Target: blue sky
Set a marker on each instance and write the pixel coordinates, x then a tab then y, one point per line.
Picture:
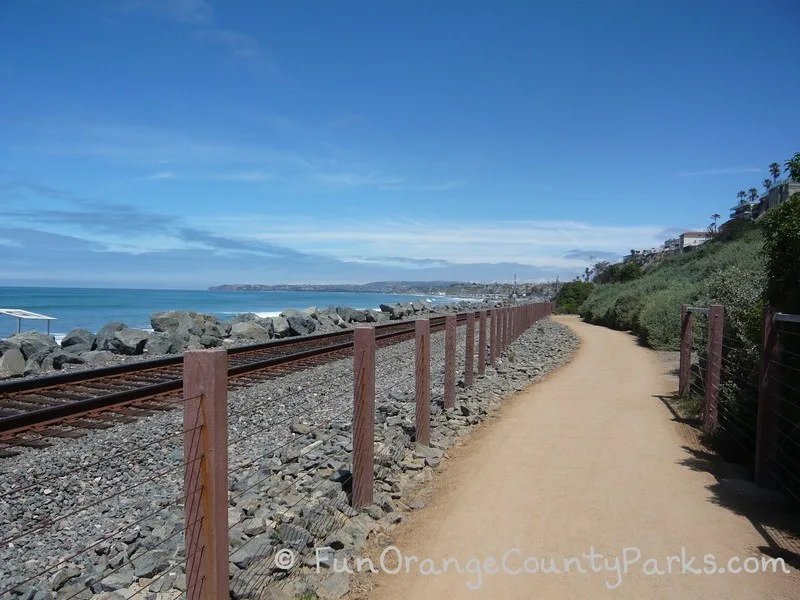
186	143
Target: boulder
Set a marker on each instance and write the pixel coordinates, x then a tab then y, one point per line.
160	342
300	324
39	356
104	338
78	340
280	327
32	367
61	358
243	318
170	320
7	345
128	341
345	312
358	316
31	342
250	330
12	363
190	329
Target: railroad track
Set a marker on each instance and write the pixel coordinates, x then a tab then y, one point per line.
71	404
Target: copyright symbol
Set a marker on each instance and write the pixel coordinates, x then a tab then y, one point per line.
285	559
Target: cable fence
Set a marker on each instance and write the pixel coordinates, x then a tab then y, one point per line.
749	393
224	497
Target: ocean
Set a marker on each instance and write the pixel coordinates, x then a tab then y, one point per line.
93	308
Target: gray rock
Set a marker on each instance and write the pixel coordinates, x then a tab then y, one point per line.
32	367
345	313
117	580
334	586
12	363
127	341
96	358
295	536
172	320
63	575
78	337
299	322
61	358
256	548
150	564
281	328
160	342
7	345
32	342
104	338
250	330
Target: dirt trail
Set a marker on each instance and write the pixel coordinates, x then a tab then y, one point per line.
587	458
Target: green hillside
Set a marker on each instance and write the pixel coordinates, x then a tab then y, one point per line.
728	270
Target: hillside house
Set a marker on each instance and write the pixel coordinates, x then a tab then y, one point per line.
691	239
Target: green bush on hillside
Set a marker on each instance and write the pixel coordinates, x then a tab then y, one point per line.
572	295
650	305
782	249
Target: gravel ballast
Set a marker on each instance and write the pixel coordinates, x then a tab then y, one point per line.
290	445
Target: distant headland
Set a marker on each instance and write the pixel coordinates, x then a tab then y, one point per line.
427	288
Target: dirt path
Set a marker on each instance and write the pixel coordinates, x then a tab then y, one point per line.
587	458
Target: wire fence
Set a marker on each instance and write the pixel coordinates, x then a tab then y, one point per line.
227	493
756	395
133	515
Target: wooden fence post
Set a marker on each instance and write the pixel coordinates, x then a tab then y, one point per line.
493	322
768	401
482	343
205	455
449	361
685	369
501	347
363	415
422	333
469	351
714	366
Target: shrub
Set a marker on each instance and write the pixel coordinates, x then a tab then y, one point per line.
782	249
650	305
572	295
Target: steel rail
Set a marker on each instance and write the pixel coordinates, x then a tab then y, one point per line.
52	414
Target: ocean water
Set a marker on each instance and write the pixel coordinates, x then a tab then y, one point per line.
93	308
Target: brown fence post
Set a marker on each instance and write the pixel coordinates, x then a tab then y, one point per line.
422	333
768	401
715	328
482	343
501	346
449	361
493	322
205	454
469	351
363	415
685	369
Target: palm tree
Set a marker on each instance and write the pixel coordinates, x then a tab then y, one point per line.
793	166
753	194
767	184
741	195
775	171
716	217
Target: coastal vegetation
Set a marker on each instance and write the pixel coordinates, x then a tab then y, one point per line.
747	266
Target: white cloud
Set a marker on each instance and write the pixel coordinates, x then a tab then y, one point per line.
722	171
161	175
242	47
535	243
231	176
346	179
